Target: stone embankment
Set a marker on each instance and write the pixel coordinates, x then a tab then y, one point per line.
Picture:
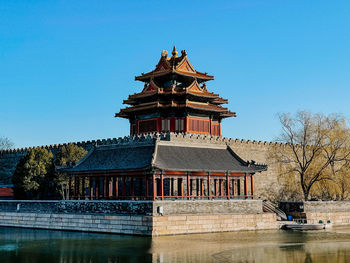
138	217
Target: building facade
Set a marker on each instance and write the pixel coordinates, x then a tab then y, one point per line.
151	163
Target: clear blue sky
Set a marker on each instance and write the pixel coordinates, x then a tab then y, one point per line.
66	66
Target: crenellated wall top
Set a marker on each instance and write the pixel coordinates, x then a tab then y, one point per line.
150	138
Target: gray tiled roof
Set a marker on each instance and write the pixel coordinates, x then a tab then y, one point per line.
116	157
183	158
164	157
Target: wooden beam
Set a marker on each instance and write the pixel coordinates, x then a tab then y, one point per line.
174	173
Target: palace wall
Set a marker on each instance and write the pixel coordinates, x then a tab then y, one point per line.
266	183
138	217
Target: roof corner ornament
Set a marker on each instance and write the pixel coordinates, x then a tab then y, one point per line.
164	53
174	53
183	53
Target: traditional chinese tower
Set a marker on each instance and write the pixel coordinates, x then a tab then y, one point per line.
175	99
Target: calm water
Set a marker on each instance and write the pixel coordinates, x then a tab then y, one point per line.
25	245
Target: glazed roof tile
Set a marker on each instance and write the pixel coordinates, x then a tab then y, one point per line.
164	157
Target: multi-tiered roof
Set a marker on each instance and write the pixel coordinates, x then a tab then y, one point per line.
174	83
175	89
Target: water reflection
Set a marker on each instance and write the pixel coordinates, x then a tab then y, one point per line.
25	245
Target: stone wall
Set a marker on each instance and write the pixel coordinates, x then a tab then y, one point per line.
134	207
190	224
78	206
119	224
336	218
326	206
144	218
208	207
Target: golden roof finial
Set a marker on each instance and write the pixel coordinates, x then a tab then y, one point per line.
174	52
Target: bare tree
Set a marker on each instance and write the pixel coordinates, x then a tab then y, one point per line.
5	143
314	143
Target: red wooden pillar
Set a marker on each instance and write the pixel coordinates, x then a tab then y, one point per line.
252	186
90	188
209	191
161	186
116	181
154	186
188	186
228	186
110	187
245	186
146	187
69	188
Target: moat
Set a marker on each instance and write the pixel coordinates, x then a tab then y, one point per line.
27	245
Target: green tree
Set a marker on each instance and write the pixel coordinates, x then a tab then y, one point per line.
34	177
69	153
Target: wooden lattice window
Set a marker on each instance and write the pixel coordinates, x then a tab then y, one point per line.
146	126
199	125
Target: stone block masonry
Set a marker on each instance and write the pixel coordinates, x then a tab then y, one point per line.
190	224
119	224
337	212
138	217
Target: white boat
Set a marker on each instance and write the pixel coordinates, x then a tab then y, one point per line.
305	226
